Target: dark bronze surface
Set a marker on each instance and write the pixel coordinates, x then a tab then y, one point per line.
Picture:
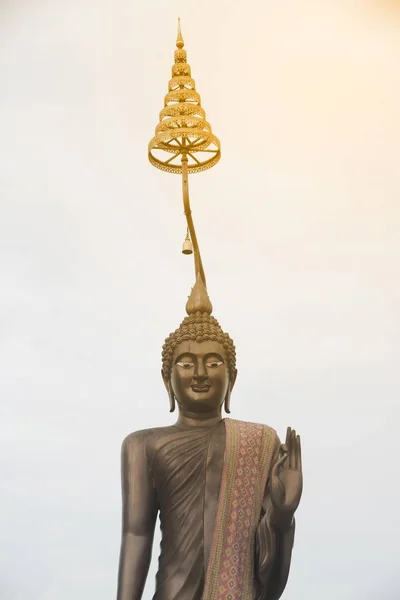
175	471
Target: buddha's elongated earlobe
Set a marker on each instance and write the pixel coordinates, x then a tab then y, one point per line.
227	402
171	399
170	392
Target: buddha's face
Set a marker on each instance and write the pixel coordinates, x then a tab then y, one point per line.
200	378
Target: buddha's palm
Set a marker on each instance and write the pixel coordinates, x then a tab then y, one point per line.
287	477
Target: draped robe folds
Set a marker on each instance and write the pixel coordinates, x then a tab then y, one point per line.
182	472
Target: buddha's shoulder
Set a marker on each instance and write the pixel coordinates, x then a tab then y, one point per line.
145	436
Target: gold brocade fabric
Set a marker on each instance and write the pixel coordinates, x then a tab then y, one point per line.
248	452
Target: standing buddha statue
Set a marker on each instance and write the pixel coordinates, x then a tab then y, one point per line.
225	490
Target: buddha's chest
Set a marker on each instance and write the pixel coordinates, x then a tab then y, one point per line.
187	467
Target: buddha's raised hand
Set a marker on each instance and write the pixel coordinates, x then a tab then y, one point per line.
286	481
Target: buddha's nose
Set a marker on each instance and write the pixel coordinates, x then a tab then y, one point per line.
200	373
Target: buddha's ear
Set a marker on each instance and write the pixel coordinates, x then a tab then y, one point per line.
234	375
171	396
227	403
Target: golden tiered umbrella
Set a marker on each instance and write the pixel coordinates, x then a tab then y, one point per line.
183	141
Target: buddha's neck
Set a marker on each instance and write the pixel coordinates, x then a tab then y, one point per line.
189	419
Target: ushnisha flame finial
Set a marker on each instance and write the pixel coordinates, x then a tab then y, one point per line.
186	137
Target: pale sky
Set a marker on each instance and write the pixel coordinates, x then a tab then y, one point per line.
299	231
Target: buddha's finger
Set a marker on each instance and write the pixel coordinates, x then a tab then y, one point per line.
280	461
299	465
290	456
290	446
287	445
293	449
294	445
285	450
288	434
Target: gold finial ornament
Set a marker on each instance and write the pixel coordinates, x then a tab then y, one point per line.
179	40
186	138
183	130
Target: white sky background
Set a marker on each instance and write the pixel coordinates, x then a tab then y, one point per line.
299	231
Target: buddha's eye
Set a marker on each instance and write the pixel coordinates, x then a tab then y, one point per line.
185	365
214	364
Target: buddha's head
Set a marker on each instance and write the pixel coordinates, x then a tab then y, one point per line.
199	366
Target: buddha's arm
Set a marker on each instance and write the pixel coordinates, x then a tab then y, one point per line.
139	513
273	549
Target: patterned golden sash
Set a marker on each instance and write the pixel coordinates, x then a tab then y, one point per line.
248	452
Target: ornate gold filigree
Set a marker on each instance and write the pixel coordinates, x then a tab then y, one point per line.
183	131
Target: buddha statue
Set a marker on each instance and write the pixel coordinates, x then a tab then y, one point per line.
225	491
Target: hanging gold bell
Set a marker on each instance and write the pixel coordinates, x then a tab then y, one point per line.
187	247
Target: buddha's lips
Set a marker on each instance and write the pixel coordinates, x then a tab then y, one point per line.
200	388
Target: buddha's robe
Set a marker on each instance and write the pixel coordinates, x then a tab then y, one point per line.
177	472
